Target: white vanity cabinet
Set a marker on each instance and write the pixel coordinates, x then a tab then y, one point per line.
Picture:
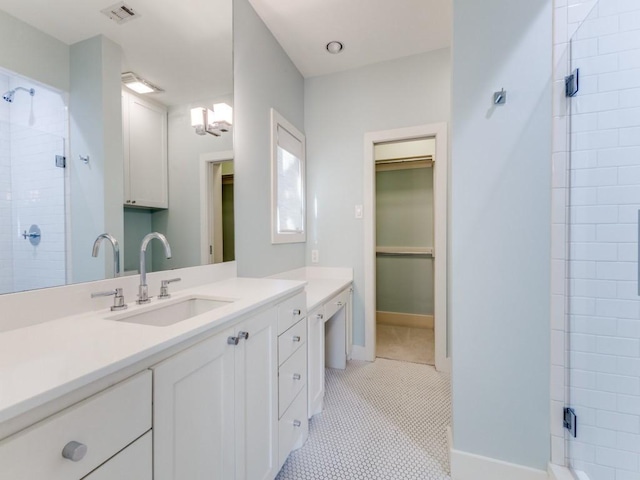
193	401
132	463
315	360
293	426
88	434
144	128
215	406
329	343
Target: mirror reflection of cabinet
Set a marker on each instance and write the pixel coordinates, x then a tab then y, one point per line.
144	127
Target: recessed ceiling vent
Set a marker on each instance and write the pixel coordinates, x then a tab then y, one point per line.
120	13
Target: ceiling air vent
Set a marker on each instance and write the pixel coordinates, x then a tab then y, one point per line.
120	13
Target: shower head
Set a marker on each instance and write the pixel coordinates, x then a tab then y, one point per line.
8	96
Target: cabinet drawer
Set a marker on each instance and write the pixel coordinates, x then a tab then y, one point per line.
293	427
335	304
291	340
292	378
291	311
132	463
105	423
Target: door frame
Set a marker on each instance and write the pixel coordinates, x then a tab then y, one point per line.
208	216
440	188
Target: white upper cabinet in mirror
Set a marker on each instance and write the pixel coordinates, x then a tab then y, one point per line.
63	134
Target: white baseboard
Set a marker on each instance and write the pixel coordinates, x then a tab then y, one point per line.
467	466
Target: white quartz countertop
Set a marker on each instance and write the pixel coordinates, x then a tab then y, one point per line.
43	362
322	282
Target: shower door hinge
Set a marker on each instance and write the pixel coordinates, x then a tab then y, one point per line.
61	161
572	83
571	421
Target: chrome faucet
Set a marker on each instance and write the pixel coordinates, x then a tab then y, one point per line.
143	289
116	250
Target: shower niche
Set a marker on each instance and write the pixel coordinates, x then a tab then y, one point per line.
33	131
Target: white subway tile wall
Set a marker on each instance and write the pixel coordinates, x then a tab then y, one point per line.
601	327
32	133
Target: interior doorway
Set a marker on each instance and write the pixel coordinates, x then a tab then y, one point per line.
217	240
404	250
437	132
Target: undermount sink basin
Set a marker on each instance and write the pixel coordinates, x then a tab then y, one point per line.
167	314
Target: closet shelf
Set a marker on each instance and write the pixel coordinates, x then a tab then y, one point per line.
405	251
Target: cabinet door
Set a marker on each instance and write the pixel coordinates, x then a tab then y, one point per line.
147	158
256	398
315	361
193	405
132	463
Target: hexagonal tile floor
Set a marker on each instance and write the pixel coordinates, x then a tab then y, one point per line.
383	420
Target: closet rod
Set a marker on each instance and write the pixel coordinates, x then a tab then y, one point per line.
405	251
404	254
421	158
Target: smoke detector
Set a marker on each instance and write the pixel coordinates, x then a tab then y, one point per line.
120	13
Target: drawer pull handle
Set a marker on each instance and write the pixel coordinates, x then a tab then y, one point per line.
244	335
296	376
296	338
297	423
340	304
233	340
74	451
297	311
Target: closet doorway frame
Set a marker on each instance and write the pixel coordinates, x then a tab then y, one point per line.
440	193
210	216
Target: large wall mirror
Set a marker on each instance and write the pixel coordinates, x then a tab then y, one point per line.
83	153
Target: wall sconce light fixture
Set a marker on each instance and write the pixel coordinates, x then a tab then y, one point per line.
214	122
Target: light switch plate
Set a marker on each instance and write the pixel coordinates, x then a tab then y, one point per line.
358	211
315	256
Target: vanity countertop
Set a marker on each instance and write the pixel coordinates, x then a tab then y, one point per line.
43	362
322	282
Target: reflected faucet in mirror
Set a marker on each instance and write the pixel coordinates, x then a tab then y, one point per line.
116	250
143	289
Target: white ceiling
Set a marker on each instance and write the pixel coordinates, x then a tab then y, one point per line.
371	30
184	47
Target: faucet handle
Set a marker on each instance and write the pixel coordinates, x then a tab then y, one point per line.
164	288
118	299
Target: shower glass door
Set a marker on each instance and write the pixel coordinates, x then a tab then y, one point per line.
32	209
603	338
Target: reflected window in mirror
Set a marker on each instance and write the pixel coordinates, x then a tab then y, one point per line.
288	181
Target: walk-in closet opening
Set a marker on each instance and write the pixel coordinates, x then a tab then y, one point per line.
404	250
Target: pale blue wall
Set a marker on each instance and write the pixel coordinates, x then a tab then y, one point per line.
32	53
264	77
339	109
500	229
95	129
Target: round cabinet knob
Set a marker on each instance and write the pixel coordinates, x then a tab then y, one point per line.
320	316
296	338
133	201
296	376
233	340
338	304
243	335
74	451
128	201
297	311
297	423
